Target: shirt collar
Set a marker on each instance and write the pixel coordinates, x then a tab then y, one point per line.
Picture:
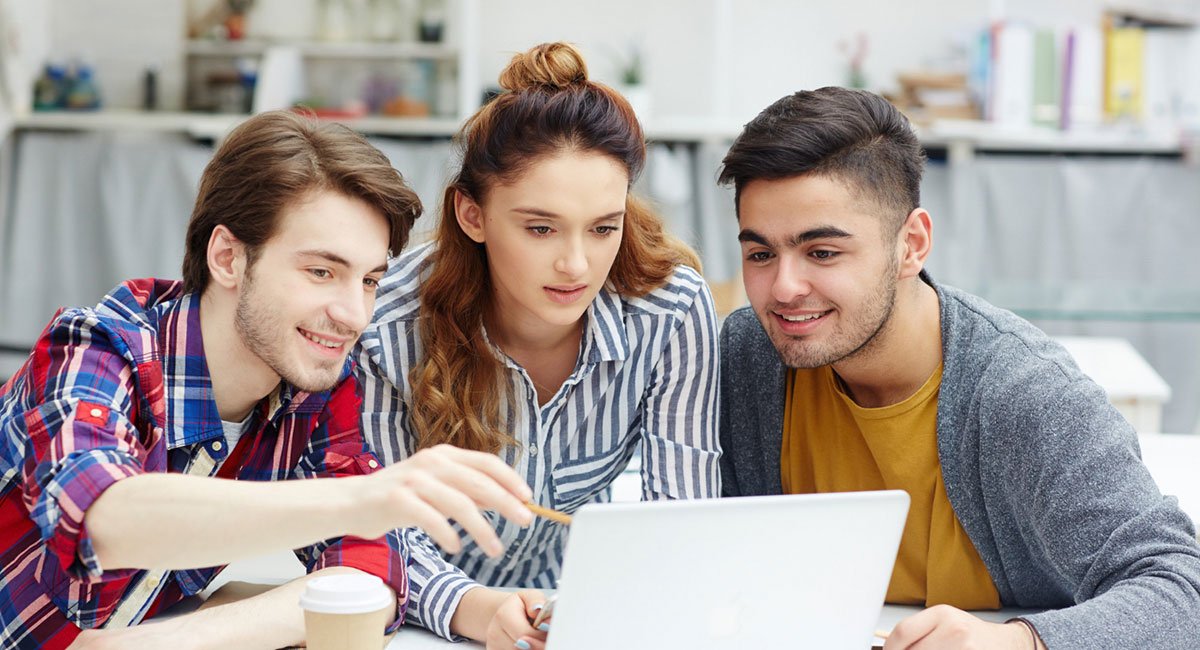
605	334
191	410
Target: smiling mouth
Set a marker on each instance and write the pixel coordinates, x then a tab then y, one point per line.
801	318
325	343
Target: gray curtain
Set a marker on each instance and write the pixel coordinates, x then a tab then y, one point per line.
87	210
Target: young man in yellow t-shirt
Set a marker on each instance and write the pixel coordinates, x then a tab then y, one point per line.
853	370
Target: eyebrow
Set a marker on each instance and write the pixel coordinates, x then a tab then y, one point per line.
820	232
546	214
334	258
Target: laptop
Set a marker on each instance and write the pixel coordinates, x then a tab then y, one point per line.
801	571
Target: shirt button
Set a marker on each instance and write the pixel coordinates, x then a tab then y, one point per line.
372	463
152	581
533	450
96	413
217	446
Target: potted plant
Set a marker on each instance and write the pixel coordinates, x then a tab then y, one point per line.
632	83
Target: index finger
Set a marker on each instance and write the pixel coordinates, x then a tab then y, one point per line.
495	468
483	491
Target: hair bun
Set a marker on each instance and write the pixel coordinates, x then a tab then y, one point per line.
549	65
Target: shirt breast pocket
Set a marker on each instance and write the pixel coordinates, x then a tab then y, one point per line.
581	481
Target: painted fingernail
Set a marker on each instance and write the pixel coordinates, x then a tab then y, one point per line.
545	627
538	607
522	644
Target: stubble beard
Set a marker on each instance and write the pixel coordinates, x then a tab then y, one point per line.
262	334
857	339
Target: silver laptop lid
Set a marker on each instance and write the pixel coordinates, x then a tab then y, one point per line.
805	570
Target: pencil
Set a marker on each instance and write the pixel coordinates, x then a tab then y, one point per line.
552	515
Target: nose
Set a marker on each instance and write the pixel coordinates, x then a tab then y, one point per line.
352	309
572	259
790	281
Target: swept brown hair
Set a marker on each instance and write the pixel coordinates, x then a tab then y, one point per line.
274	160
549	106
854	136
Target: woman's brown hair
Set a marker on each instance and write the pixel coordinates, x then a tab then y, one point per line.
276	159
549	106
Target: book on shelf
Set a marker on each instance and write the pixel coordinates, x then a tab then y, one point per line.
1082	78
1012	96
1047	85
1124	67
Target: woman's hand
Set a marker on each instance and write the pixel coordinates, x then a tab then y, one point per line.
512	625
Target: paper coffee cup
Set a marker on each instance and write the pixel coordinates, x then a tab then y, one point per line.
346	612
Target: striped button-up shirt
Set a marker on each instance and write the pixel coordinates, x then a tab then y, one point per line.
120	390
646	378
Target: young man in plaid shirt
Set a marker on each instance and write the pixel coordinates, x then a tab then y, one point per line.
146	441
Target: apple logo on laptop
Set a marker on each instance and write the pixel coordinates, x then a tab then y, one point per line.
725	620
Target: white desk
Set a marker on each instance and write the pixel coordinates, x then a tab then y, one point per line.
1173	460
415	638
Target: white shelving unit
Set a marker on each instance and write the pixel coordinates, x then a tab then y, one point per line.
445	73
326	49
214	126
962	138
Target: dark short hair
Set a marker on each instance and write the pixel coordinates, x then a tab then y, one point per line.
854	136
275	159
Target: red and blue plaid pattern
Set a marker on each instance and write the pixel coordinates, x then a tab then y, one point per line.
123	389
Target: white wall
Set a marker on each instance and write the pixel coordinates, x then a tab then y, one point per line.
24	40
675	37
781	46
703	57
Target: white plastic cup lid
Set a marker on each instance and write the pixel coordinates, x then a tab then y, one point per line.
346	594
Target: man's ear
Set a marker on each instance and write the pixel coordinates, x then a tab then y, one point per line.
469	216
915	242
226	258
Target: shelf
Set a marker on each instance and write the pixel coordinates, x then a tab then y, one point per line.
972	136
325	50
198	125
215	126
968	136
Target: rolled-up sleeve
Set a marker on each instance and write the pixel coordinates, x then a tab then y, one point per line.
435	586
336	449
80	439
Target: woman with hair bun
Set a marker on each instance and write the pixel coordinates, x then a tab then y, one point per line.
551	321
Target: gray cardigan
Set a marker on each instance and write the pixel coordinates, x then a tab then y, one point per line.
1044	475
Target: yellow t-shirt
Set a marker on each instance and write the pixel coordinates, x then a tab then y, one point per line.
831	444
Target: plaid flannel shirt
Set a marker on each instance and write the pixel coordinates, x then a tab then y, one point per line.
123	389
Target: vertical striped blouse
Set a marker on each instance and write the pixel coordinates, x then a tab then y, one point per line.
646	378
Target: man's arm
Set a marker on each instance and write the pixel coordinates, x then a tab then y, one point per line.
1129	554
269	620
729	479
171	521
